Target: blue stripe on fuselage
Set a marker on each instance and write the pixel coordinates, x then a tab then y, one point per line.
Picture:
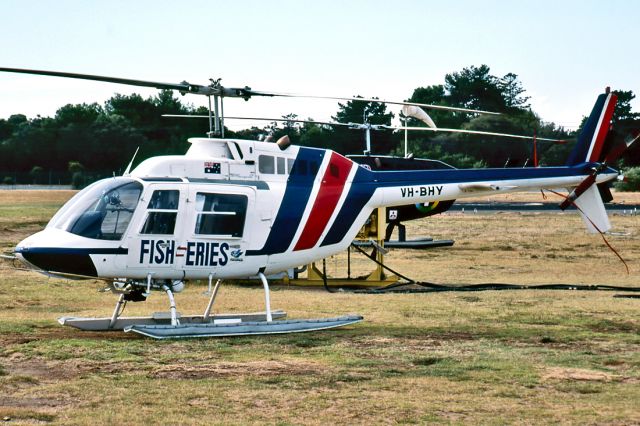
366	182
444	176
296	196
359	195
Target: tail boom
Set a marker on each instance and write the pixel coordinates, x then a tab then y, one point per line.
399	188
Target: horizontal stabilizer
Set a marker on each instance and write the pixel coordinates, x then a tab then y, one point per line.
592	210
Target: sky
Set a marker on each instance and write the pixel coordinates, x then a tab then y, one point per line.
564	52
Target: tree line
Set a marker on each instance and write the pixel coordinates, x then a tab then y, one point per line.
85	142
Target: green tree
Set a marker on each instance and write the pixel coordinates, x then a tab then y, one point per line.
139	111
475	88
435	95
622	112
315	135
33	141
81	114
36	173
513	93
626	124
351	141
290	127
116	140
632	180
77	174
17	120
75	166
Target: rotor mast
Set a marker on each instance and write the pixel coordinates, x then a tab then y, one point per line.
216	120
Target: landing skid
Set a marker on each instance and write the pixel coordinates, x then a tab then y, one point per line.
166	325
162	318
241	328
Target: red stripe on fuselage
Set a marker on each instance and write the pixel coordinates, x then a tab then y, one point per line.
335	177
604	129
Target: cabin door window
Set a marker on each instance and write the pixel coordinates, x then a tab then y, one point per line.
220	215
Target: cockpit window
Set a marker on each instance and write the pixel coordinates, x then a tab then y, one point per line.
101	211
163	209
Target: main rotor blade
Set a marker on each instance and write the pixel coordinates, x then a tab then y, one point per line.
477	132
216	89
378	127
183	87
259	119
347	98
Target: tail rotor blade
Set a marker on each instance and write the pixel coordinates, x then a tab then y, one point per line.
620	146
579	190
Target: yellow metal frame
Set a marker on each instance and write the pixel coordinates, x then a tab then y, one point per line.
374	230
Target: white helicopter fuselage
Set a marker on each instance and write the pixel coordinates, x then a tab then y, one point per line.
234	208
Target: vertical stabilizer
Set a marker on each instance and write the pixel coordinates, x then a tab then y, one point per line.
589	147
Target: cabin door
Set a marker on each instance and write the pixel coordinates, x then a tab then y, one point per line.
218	228
154	240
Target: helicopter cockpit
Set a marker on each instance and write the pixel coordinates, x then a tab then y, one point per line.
101	211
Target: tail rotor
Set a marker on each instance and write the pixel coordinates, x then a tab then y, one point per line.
614	150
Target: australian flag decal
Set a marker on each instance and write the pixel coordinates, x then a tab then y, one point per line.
213	168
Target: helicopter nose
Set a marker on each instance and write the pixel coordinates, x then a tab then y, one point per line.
55	251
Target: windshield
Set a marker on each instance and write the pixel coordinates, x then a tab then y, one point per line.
101	211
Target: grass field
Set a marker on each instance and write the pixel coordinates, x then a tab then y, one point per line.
494	357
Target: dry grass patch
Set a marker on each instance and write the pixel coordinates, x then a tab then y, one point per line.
578	374
542	357
236	369
25	197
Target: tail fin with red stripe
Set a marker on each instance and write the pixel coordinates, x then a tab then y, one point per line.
594	147
591	141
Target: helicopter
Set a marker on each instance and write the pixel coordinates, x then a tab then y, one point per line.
232	209
394	217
